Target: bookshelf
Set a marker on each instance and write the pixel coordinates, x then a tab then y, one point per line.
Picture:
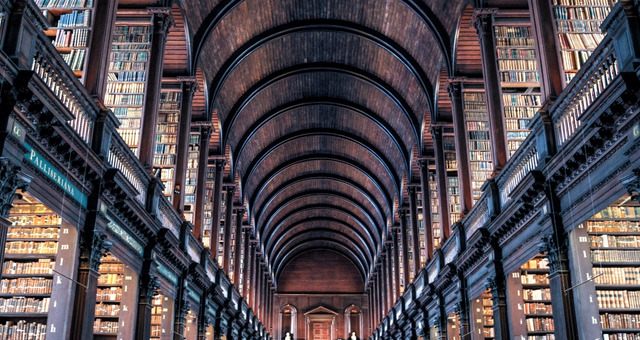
26	288
421	231
126	79
436	229
453	183
577	25
69	28
191	177
614	240
164	158
221	228
482	313
529	298
478	139
109	297
519	80
453	327
161	318
191	325
208	206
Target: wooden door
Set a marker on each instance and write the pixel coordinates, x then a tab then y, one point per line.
320	330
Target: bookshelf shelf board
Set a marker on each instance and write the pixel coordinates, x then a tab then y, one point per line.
535	285
616	248
28	256
539	332
35	295
617	287
32	239
546	302
105	334
538	316
614	233
108	285
616	264
535	271
100	316
23	315
35	225
63	10
11	276
619	310
610	219
621	330
108	302
519	84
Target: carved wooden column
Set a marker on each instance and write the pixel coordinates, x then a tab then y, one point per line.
415	231
389	264
463	309
162	20
547	53
252	273
93	246
380	307
215	211
181	307
426	207
441	181
385	282
496	283
203	165
462	152
483	21
228	227
238	247
556	247
404	229
149	285
182	147
95	74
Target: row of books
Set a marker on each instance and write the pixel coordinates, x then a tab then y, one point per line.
75	59
618	299
612	227
519	76
125	88
517	124
578	26
102	326
520	111
32	232
617	276
30	247
35	220
533	279
128	76
517	135
517	54
123	112
131	137
166	142
512	32
116	268
570	41
131	34
517	64
26	285
71	38
112	294
159	160
621	336
620	321
39	267
581	13
584	2
64	3
540	324
613	256
537	308
168	128
572	61
526	100
124	99
619	212
128	60
107	309
24	305
110	279
75	19
615	241
23	330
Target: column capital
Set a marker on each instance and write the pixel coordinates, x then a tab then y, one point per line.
189	85
483	20
162	19
100	246
454	88
632	184
10	182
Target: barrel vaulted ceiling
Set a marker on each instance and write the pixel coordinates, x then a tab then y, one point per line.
323	105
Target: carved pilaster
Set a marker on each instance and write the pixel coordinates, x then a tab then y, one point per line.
99	248
632	184
10	182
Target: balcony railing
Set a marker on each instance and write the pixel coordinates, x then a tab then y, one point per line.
123	159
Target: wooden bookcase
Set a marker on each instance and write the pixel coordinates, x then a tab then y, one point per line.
38	258
207	223
577	26
70	29
421	231
519	79
529	300
453	183
191	177
116	299
127	76
164	158
161	318
482	317
436	228
478	138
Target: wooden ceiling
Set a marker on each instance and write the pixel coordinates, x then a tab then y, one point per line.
322	108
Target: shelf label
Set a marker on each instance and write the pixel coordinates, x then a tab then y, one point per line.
47	169
125	236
